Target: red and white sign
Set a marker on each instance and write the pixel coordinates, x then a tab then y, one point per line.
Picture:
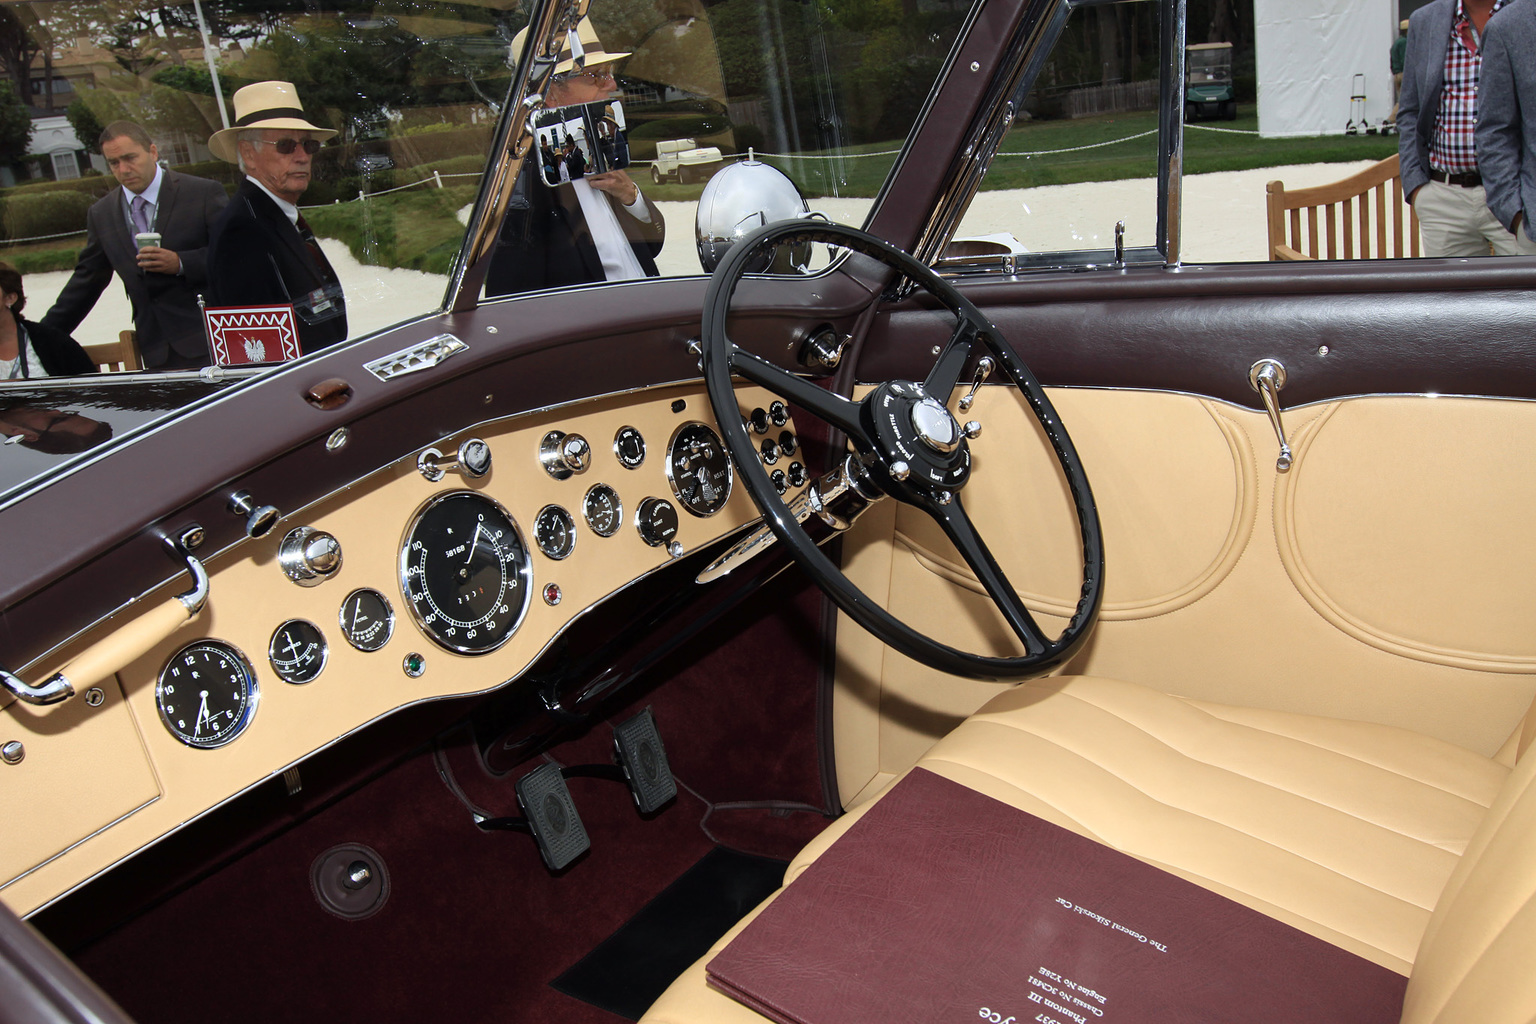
239	335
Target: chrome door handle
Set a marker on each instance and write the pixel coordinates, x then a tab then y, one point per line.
1267	377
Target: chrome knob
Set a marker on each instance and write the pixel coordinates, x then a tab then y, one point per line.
900	471
13	752
564	454
972	429
308	556
259	519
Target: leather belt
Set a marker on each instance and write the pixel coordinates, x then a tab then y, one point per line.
1469	180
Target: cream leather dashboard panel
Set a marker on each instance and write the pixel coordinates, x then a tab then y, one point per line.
1387	577
250	596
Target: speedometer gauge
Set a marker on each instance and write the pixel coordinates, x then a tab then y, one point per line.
465	572
699	469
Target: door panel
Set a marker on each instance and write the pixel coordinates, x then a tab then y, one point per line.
1386	577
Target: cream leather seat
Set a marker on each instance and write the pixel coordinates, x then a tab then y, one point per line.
1405	850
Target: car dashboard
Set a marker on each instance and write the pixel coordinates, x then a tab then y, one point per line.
448	571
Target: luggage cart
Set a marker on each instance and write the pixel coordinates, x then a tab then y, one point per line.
1357	122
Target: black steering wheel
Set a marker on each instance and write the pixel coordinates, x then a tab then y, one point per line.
907	445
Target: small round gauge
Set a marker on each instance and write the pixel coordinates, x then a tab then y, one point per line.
207	694
297	651
466	573
629	446
603	510
656	520
367	620
699	469
554	531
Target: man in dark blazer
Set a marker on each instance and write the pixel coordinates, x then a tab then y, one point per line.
1506	120
1436	118
263	252
602	228
162	281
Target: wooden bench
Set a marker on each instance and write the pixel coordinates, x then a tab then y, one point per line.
1365	207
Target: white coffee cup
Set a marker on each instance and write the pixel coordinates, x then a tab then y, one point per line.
147	238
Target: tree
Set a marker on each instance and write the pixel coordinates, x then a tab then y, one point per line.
15	126
87	128
18	48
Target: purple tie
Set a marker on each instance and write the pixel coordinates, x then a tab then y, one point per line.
140	208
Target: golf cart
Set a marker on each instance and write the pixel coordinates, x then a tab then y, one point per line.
1208	82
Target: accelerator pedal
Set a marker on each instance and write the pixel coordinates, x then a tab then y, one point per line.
552	817
637	745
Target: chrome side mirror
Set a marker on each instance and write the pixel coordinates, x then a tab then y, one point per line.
741	198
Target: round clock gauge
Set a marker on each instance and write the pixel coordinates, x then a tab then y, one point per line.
367	620
297	651
206	694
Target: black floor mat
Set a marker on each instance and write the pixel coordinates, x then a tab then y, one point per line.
627	971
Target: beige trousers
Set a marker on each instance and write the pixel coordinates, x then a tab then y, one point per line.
1455	221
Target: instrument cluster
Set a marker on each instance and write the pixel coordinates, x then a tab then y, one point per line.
560	519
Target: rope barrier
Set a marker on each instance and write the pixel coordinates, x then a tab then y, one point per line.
41	238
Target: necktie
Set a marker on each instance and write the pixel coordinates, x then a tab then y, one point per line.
322	264
140	209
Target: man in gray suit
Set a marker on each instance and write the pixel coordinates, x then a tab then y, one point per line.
1506	120
162	280
1436	118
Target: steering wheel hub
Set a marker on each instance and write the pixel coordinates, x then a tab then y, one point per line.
935	426
910	426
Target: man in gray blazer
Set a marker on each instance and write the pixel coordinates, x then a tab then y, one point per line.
1436	118
162	280
1506	120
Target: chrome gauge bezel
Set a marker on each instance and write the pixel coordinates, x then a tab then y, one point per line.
434	630
288	675
250	688
568	520
618	452
618	509
730	470
346	630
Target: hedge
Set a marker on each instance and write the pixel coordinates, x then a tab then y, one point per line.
46	213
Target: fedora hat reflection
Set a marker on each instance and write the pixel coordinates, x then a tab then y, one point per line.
263	105
592	52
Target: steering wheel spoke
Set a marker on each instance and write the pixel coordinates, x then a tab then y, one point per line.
834	409
942	380
962	533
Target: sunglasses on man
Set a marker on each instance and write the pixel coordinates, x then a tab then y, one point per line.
287	146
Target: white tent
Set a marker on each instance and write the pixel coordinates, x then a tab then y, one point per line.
1308	53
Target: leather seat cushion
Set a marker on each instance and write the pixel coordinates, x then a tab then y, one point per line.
1347	830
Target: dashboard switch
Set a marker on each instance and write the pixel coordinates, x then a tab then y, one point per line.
308	556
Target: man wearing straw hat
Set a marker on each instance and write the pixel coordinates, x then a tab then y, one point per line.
601	228
263	252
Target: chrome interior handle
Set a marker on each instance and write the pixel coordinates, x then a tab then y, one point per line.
1267	377
123	646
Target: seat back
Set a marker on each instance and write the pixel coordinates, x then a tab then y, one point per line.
122	354
1474	963
1350	215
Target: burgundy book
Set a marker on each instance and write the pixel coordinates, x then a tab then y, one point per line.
944	905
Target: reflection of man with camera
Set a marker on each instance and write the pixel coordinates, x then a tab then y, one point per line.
600	228
153	231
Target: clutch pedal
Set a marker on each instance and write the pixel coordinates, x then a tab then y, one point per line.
551	816
637	745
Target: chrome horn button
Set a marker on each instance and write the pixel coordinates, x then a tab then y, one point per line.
935	426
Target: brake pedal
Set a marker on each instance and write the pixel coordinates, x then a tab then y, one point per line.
644	760
552	816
